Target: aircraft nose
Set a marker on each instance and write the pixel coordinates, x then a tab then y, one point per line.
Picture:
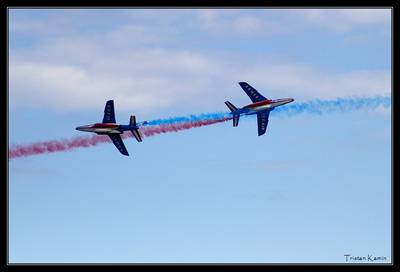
80	128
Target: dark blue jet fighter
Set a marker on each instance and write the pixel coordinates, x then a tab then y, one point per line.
113	130
260	106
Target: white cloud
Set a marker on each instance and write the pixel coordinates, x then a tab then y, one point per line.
66	88
143	80
133	64
346	19
307	82
152	79
234	23
278	21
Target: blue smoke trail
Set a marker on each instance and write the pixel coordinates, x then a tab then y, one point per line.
317	107
320	107
189	118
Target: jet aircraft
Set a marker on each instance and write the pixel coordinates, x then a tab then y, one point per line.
109	127
260	106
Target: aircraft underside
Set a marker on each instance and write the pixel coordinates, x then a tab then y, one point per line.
108	132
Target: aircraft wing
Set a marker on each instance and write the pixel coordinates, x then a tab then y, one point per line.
254	95
109	114
119	143
262	121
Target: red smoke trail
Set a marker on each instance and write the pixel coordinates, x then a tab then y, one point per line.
55	146
154	130
17	151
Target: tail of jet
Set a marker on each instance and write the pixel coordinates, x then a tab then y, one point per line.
233	109
135	130
230	106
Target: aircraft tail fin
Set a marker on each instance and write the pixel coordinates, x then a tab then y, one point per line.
132	121
235	116
135	130
230	106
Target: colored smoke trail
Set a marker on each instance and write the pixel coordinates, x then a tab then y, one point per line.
320	107
55	146
317	107
190	118
17	151
175	124
151	131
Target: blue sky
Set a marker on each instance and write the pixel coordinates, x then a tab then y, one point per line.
314	188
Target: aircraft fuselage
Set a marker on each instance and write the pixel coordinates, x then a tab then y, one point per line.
264	105
102	128
108	128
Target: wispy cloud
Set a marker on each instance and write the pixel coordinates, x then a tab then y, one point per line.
150	79
142	64
346	19
278	21
234	23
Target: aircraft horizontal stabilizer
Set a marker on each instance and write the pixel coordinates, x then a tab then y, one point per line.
135	131
137	135
236	120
